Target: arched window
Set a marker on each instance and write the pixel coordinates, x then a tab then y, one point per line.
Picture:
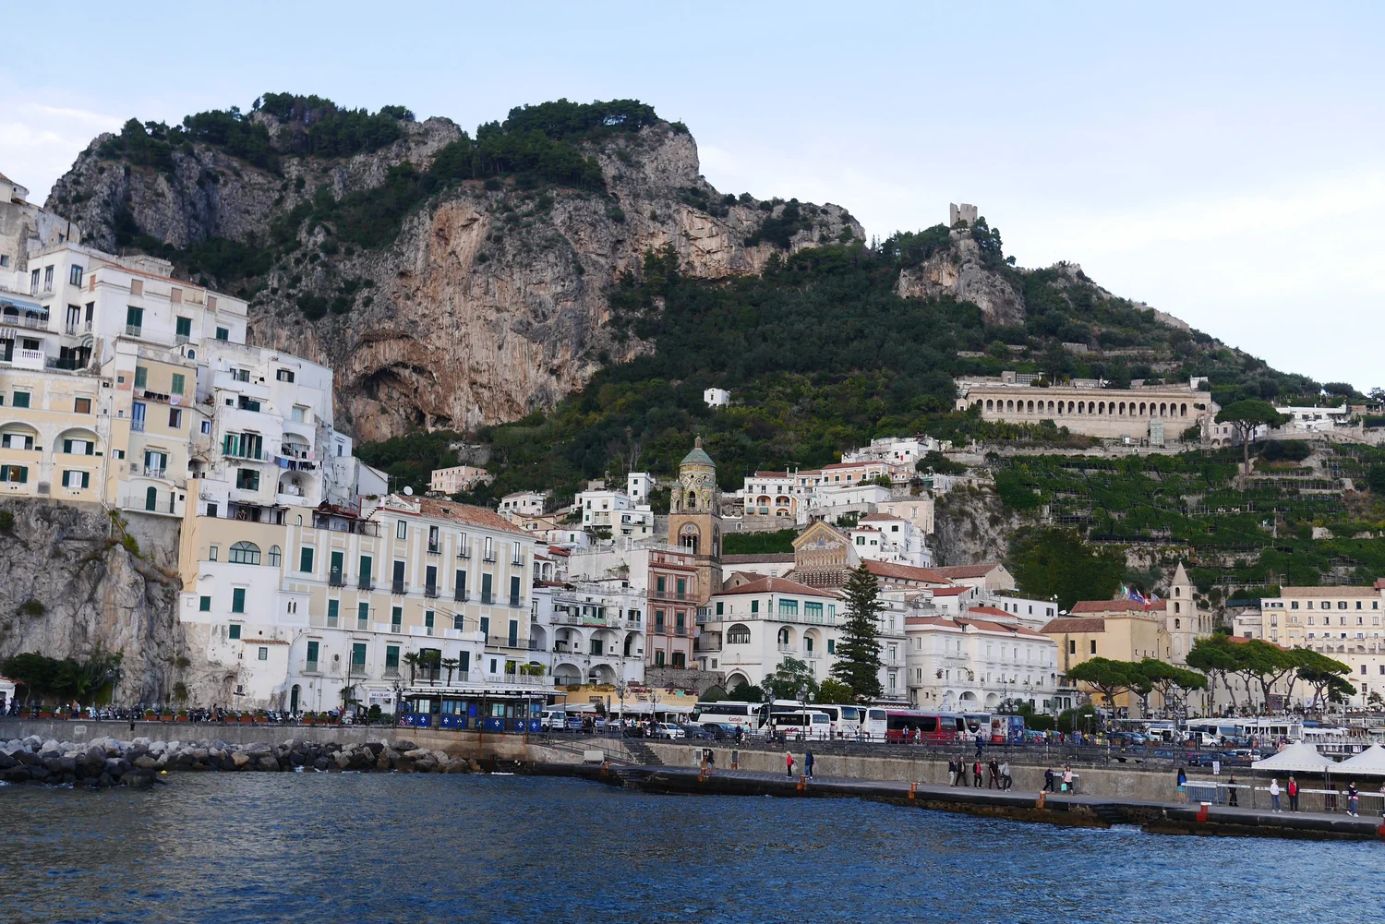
808	644
990	405
1183	410
275	556
784	636
245	553
738	635
1030	407
689	538
1081	407
692	500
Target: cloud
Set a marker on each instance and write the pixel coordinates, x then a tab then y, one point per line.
39	142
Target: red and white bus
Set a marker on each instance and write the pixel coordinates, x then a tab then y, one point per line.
910	726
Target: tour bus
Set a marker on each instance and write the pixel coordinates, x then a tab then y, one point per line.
873	723
907	725
805	723
749	716
846	720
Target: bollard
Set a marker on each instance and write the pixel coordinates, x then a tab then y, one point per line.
1381	830
1043	796
1202	812
802	783
735	760
913	787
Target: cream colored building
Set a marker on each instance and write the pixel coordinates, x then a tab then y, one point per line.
1157	414
1343	623
1119	630
979	660
457	478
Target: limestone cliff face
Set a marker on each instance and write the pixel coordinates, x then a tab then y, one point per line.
491	301
88	590
970	524
959	272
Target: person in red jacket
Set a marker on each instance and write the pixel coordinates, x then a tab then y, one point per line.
1293	794
788	763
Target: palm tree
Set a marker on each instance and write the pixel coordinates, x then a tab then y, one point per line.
429	660
411	659
451	664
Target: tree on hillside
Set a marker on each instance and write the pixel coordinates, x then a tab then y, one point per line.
1057	563
1107	677
791	679
1322	673
858	650
1246	416
1215	658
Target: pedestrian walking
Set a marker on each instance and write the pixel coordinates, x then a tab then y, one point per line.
994	781
1067	778
1182	785
1293	793
952	771
788	763
1231	791
1353	800
1049	779
808	764
1274	795
1005	781
979	743
977	775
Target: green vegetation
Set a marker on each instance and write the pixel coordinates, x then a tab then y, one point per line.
63	678
777	542
32	607
858	650
792	680
1056	563
410	460
1246	416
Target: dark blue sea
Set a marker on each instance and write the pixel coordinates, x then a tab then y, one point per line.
358	847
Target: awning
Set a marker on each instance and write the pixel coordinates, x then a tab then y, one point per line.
1370	762
1298	757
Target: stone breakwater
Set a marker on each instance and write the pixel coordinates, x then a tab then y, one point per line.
106	762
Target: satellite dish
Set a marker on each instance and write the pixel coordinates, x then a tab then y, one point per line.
408	491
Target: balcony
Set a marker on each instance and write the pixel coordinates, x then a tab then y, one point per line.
397	586
487	599
310	667
516	601
336	579
430	590
134	330
136	425
365	583
488	557
460	595
504	641
434	548
30	319
151	471
464	552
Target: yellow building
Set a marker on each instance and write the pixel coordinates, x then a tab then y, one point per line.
1119	630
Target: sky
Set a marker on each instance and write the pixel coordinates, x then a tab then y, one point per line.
1222	162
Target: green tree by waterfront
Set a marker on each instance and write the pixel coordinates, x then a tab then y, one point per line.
792	678
1325	675
833	690
858	650
1107	677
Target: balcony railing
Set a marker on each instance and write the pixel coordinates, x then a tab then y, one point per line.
365	583
397	586
136	425
433	548
487	599
460	595
310	667
489	556
336	579
151	471
430	590
515	600
504	641
134	330
464	552
35	322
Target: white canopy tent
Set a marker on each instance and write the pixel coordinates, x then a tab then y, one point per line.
1370	762
1298	757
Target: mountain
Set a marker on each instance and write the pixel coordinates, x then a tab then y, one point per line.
451	280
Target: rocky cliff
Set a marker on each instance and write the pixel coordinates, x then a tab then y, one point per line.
490	299
78	582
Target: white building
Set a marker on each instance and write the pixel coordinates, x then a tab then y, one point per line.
591	631
831	502
769	498
1314	419
716	397
979	660
600	506
883	537
523	504
638	486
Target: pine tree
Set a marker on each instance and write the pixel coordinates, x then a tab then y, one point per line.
858	651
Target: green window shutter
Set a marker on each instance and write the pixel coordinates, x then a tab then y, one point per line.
305	559
362	611
831	646
178	383
391	657
358	655
754	606
204	604
333	608
134	316
428	620
67	447
238	600
86	479
141	377
312	652
21	399
223	334
485	625
233	631
183	327
396	616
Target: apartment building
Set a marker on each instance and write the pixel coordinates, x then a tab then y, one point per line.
888	538
979	660
304	609
1343	623
457	478
591	631
768	498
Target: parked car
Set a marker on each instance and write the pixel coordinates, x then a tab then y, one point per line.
667	730
553	720
700	732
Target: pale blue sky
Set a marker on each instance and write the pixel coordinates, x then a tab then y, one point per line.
1220	161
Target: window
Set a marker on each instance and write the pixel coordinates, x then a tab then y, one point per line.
831	646
238	600
459	622
183	328
284	375
305	559
74	275
333	611
514	591
179	383
312	655
1093	646
175	418
244	553
1072	646
212	552
358	657
401	530
233	630
223	334
362	615
485	625
485	588
754	606
247	404
660	584
396	618
428	621
247	479
392	658
719	608
788	607
141	377
21	399
738	635
682	588
812	610
659	620
204	604
81	406
16	441
76	480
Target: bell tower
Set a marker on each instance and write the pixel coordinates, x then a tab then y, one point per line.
694	522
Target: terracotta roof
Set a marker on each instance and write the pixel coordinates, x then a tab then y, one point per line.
1380	583
1068	624
1007	628
989	611
950	591
956	572
1340	591
837	465
979	624
770	475
875	517
885	569
1116	606
776	585
467	514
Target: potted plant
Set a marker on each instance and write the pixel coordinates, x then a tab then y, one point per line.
182	716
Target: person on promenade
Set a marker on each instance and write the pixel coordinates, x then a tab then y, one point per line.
979	744
1005	781
788	763
1293	793
1353	800
1049	779
1182	784
808	764
1274	795
977	774
952	771
1067	778
994	781
1231	791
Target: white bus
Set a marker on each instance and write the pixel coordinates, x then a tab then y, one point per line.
873	723
808	723
749	716
846	720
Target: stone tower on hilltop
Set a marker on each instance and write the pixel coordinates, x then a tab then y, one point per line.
694	522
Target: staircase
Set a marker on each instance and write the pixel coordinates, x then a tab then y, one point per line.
642	753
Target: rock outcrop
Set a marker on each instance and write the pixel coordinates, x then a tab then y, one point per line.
490	302
959	272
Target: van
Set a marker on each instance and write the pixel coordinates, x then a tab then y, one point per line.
552	719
